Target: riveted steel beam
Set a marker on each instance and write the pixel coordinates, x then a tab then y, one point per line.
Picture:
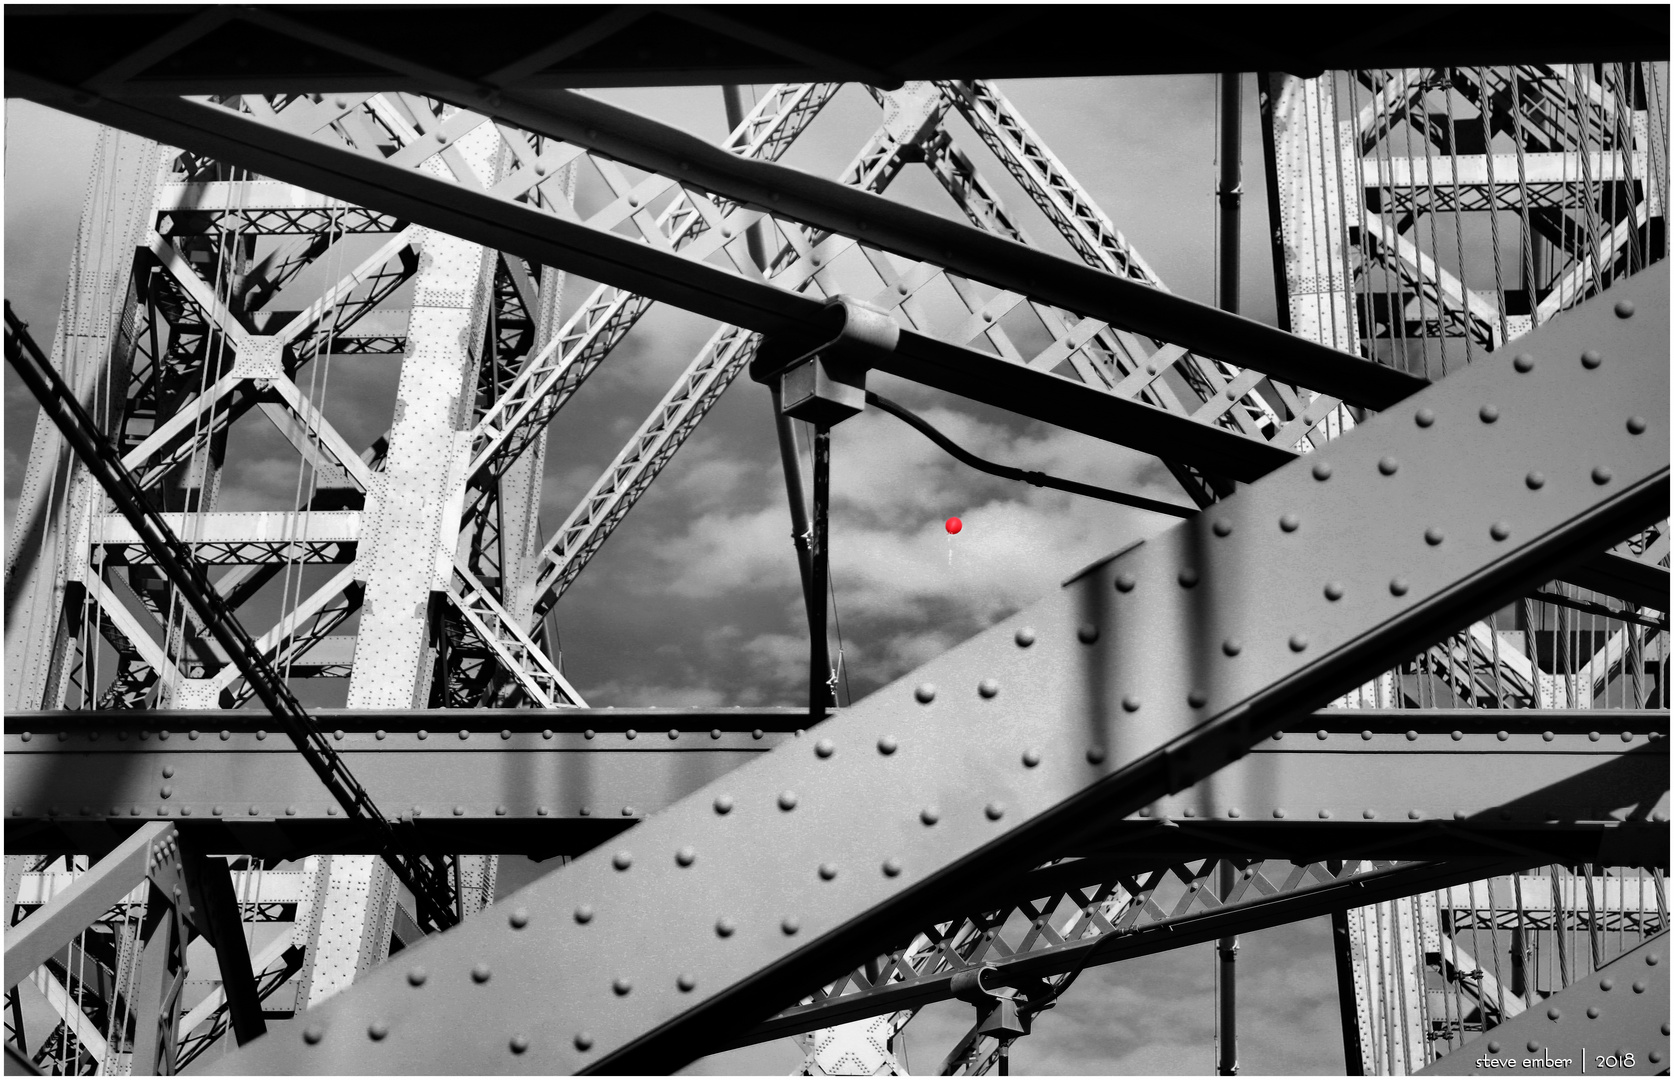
1032	736
534	781
1615	1021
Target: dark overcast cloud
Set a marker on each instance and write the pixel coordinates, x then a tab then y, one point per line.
695	599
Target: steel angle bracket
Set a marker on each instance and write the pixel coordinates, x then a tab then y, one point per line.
1614	1021
1134	680
827	384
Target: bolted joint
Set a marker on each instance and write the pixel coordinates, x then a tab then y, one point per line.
827	384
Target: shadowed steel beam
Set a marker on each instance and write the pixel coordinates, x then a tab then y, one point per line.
489	789
1618	1013
1057	721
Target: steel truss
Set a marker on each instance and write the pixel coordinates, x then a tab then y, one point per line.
1218	408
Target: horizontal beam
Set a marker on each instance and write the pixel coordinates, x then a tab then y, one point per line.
189	48
508	783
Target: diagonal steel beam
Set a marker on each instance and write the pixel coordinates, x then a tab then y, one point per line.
1057	720
1618	1014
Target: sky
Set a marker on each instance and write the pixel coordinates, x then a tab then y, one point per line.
695	599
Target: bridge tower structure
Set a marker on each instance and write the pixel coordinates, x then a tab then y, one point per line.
1464	767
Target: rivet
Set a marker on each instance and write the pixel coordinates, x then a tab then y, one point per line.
1187	578
458	811
1322	734
790	924
621	986
1278	736
1499	530
988	688
1433	536
1031	758
1636	425
1324	814
1591	359
583	1041
1424	417
724	926
163	735
673	733
1125	582
290	811
1523	363
1412	736
254	812
1278	812
1593	736
1289	522
1388	466
1457	735
995	811
828	871
1222	527
1232	646
1534	1047
1087	633
1095	755
1653	959
631	733
1601	475
1233	811
480	973
1624	309
686	983
1414	815
757	734
622	860
887	745
1607	983
1398	586
217	811
1368	814
1130	703
541	811
312	1034
1493	1046
1489	413
1197	699
929	815
714	733
1366	736
1024	637
822	749
380	734
499	811
416	976
723	804
1322	470
377	1030
1627	736
787	800
1639	986
518	1044
1298	642
926	693
1333	590
892	867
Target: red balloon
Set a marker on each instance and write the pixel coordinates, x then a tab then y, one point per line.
954	525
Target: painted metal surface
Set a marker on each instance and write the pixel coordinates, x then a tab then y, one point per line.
1390	766
1455	532
1615	1022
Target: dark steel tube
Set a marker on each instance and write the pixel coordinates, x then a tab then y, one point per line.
819	662
1230	194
